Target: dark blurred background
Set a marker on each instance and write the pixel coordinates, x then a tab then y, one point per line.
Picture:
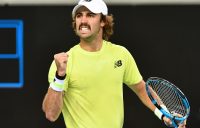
164	40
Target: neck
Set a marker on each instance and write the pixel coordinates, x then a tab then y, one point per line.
91	46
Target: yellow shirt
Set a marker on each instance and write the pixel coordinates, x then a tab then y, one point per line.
94	86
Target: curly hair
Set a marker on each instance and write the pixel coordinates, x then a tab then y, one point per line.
107	29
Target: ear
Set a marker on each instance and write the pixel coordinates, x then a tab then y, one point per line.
102	23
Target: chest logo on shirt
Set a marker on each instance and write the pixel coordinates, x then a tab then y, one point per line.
118	63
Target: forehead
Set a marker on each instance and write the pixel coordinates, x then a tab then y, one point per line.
82	9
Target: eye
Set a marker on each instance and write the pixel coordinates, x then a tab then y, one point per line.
91	14
78	15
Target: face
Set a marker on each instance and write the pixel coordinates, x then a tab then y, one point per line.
88	24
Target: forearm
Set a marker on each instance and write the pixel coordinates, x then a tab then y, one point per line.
53	101
140	91
52	104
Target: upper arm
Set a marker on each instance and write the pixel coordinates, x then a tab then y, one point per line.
131	73
140	91
139	87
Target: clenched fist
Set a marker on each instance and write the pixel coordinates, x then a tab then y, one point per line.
61	62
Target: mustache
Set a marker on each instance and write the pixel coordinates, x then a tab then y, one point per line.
85	25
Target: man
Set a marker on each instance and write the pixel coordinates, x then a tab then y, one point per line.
86	83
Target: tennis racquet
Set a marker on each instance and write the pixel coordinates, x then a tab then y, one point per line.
169	100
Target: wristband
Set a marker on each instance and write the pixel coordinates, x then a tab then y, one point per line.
60	77
158	113
58	83
57	87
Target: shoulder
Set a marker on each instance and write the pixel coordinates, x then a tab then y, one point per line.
115	47
72	49
118	50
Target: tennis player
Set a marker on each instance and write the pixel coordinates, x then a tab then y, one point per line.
86	83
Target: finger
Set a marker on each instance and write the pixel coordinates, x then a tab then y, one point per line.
61	56
183	125
167	121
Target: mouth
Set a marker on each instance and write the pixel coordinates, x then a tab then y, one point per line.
84	28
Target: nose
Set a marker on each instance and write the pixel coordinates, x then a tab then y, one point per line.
83	19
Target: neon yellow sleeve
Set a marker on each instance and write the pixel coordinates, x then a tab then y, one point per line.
132	75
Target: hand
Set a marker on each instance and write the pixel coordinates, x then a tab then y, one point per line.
61	63
182	125
168	122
